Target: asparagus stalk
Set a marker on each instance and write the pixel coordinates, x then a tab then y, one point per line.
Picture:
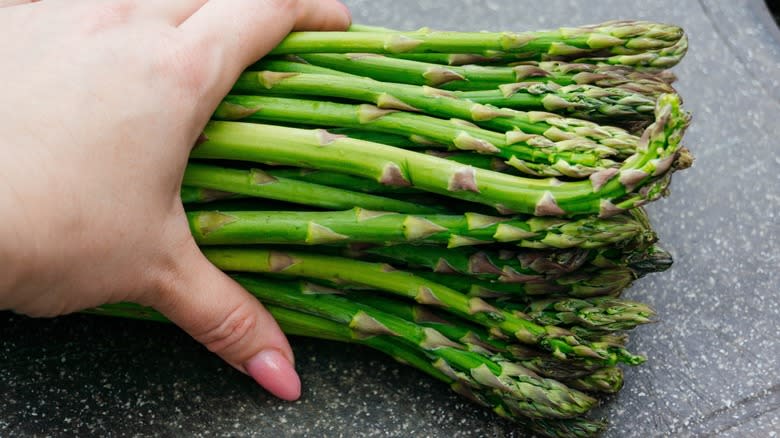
535	154
474	159
339	180
401	68
294	64
476	338
535	397
520	266
396	140
381	276
360	225
581	101
585	283
461	59
196	195
640	178
259	183
587	315
606	41
583	375
302	324
535	123
599	282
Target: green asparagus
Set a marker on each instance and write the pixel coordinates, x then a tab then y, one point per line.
611	42
640	178
534	154
475	77
303	324
580	101
382	276
258	183
435	102
367	226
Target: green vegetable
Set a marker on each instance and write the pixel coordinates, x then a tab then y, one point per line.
261	184
381	276
368	226
617	42
640	179
534	154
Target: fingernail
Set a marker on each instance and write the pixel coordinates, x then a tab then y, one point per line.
274	372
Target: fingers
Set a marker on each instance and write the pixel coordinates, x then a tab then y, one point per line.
245	30
230	322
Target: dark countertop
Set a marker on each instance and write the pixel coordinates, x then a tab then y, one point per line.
713	368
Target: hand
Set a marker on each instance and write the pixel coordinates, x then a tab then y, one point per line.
101	103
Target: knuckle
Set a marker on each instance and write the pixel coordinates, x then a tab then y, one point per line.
284	5
189	66
229	334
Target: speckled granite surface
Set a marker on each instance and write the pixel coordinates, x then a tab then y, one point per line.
713	368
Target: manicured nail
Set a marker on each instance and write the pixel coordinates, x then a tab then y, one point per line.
274	372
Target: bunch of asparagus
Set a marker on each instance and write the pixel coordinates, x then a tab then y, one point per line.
468	203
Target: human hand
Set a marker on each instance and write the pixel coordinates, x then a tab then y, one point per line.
102	102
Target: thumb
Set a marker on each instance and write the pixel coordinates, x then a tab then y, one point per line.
217	312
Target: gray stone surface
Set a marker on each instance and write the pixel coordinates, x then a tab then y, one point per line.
713	368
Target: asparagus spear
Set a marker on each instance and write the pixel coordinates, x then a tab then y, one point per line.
381	276
593	314
258	183
585	283
360	225
639	179
521	266
339	180
535	154
302	324
535	397
581	101
475	77
437	102
579	284
476	338
604	41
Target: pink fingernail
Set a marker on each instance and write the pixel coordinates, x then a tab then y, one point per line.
275	373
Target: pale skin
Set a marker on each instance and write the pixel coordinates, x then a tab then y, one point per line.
102	101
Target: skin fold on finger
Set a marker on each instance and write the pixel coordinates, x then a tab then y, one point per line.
230	322
173	12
